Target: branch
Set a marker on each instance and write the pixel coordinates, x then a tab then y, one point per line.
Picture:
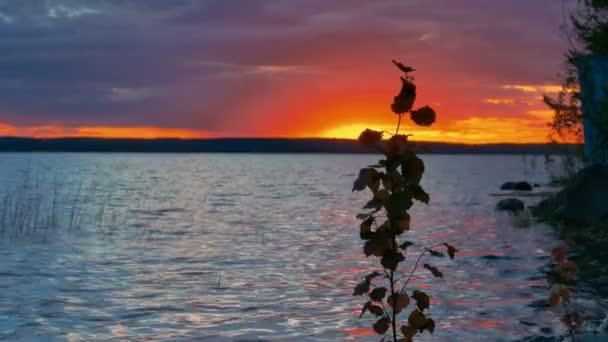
416	265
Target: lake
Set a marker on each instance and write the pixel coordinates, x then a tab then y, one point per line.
248	247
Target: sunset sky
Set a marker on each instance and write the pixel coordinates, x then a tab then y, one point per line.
277	68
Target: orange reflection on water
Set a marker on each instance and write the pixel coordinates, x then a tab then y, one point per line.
359	332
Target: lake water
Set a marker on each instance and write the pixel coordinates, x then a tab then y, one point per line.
245	247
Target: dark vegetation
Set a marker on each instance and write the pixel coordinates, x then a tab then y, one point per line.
587	32
394	183
255	145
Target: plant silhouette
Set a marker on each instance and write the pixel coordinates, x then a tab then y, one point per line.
395	184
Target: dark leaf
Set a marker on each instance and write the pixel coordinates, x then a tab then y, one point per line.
373	204
382	325
398	205
377	295
376	310
405	68
366	175
404	101
412	170
364	309
371	276
361	288
424	116
408	332
406	244
435	253
370	138
433	270
397	145
391	259
363	216
377	246
422	299
419	194
451	250
365	229
402	225
382	196
430	325
417	320
398	302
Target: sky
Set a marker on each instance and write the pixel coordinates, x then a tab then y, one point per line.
277	68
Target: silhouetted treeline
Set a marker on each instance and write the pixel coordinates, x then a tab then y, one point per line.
255	145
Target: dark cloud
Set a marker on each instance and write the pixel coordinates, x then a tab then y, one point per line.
225	65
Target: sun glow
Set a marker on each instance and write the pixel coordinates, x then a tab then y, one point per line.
473	130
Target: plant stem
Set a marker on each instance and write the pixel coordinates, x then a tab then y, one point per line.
394	320
416	265
398	124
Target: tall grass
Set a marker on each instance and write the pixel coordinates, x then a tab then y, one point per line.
33	205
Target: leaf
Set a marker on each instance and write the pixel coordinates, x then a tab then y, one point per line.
417	320
365	308
404	101
391	259
412	170
363	216
451	250
424	116
365	176
371	276
398	302
433	270
398	205
430	325
402	225
376	310
406	244
370	138
377	246
419	194
422	299
435	253
361	288
382	196
408	332
373	204
387	183
365	229
377	295
382	325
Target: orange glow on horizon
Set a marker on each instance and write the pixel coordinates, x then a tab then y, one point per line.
474	130
509	114
52	131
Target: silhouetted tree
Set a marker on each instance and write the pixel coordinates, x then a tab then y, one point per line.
587	32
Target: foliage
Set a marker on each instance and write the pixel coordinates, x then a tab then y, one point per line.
588	34
394	183
561	279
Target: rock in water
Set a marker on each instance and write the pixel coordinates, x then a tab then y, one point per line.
520	186
584	200
510	204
